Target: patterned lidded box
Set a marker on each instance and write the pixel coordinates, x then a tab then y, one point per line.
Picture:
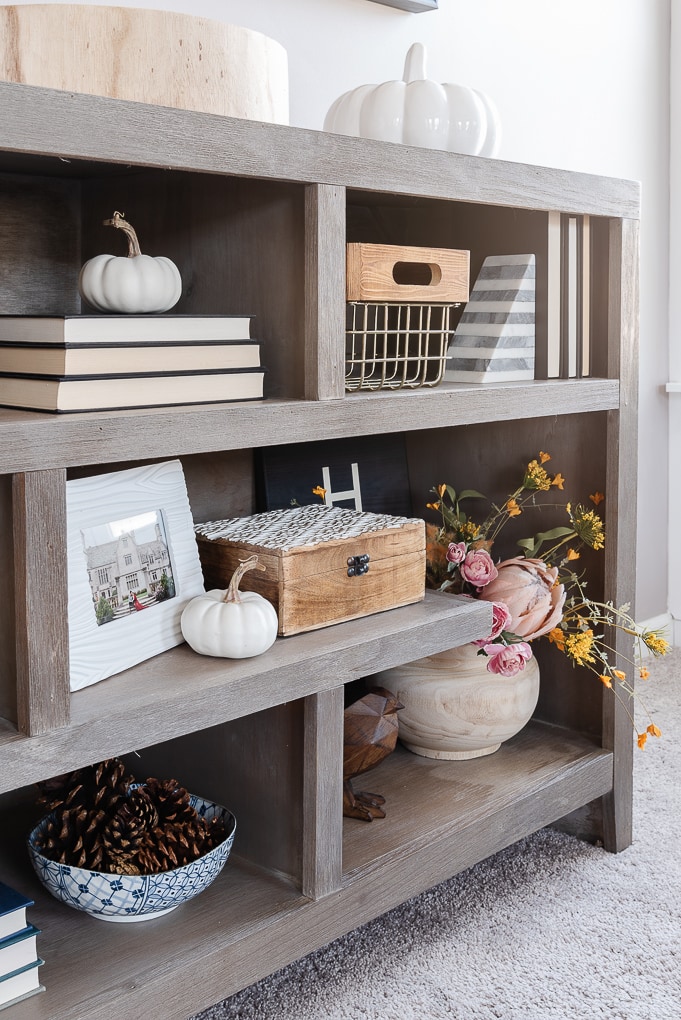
323	564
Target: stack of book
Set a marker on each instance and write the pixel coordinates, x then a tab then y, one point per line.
19	960
109	362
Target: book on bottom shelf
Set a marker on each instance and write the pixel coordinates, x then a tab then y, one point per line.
93	329
63	359
20	984
19	950
13	907
117	392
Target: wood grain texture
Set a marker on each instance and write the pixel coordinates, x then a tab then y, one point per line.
620	520
63	125
324	302
443	818
8	657
309	586
254	766
39	265
41	593
155	701
147	56
322	793
31	441
373	274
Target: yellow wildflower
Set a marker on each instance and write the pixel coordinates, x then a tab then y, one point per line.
604	678
470	530
654	730
579	646
432	506
656	643
572	554
319	491
557	638
543	457
619	674
536	477
588	525
441	489
596	498
644	674
512	508
642	737
558	481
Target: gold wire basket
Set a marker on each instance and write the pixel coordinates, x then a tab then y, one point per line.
395	346
399	305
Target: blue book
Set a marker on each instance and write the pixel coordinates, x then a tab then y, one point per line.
13	907
18	950
19	984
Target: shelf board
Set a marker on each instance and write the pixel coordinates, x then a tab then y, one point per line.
31	441
433	803
216	944
181	692
55	127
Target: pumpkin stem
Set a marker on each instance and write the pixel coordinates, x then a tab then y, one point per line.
415	64
118	220
232	594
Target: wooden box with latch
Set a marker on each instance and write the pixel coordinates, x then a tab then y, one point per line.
323	565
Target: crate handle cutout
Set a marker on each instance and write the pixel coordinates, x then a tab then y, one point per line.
425	274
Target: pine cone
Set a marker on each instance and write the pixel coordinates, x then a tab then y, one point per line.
72	837
121	838
172	801
140	802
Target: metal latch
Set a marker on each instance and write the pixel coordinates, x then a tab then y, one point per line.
358	565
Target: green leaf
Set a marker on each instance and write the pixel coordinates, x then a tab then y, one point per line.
471	494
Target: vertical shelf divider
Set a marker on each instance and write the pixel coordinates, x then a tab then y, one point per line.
41	595
324	292
323	793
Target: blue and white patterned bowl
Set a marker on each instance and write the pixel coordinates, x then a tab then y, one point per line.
134	897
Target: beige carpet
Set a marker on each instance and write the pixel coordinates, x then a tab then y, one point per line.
549	929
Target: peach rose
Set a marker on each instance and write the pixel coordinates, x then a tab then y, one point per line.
529	589
501	620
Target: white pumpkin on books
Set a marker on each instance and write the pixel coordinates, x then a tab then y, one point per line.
134	283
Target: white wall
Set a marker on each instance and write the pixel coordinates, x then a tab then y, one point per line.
582	85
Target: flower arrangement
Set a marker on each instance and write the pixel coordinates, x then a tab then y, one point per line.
538	593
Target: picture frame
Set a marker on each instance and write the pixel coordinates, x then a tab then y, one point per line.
133	565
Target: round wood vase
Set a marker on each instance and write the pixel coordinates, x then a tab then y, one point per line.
147	56
455	708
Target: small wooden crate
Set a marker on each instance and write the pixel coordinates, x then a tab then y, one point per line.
323	564
398	314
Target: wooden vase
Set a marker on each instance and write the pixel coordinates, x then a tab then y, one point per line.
454	708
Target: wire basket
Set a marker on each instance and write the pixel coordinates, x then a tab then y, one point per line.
392	346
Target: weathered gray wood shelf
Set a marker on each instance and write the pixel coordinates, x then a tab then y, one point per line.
439	824
179	692
257	217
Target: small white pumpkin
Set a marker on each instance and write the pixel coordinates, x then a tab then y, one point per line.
134	283
231	624
418	111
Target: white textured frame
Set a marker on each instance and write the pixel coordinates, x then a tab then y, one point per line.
97	652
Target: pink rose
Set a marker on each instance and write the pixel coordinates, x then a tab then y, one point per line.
508	660
478	568
529	590
456	552
501	618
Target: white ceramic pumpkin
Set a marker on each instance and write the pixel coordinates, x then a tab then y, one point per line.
132	284
419	111
230	624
